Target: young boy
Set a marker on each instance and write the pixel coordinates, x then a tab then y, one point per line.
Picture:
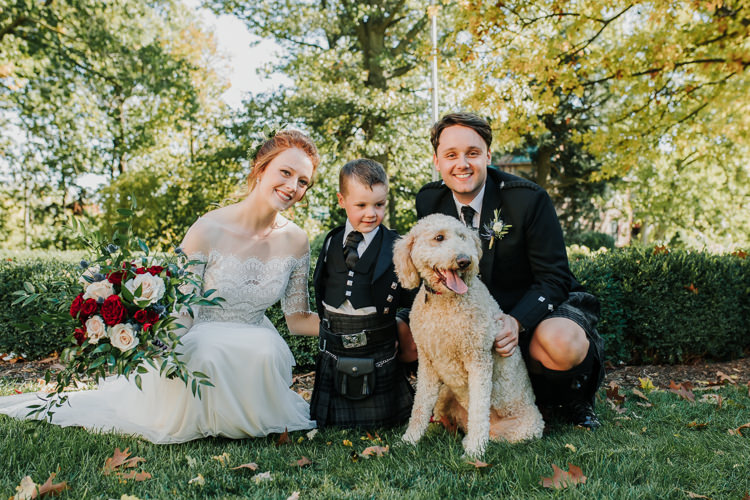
359	378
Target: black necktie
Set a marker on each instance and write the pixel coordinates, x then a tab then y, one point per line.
467	214
351	256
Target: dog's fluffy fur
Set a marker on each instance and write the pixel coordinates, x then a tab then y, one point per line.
460	376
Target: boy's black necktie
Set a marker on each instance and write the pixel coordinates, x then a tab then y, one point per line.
467	213
350	248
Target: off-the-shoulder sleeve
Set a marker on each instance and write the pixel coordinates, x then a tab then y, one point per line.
296	297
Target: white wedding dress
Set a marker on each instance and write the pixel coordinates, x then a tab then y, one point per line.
239	349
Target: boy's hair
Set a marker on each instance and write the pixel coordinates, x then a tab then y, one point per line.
470	120
368	172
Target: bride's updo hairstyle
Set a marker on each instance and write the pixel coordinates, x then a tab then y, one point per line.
281	141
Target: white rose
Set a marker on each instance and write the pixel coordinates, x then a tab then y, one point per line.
88	273
99	290
152	288
95	329
498	226
122	336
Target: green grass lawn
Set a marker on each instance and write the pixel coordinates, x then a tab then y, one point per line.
671	449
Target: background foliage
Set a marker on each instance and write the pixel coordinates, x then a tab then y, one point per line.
633	113
657	305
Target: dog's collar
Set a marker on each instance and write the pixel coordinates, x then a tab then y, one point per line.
430	289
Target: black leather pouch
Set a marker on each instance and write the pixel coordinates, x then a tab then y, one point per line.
355	377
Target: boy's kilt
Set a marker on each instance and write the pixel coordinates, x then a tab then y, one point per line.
389	404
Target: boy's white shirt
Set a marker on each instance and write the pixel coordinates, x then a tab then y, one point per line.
347	307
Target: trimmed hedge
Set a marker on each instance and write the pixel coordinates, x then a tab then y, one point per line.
58	272
661	306
657	306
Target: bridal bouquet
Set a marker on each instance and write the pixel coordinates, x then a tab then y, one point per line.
124	317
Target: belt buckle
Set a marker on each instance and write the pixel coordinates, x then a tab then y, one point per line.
352	340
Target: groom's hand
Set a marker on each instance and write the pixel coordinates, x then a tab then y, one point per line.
506	339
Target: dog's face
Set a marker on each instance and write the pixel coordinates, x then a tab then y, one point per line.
441	251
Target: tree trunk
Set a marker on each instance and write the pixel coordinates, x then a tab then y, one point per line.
543	166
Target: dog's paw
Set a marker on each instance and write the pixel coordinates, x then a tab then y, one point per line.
411	436
473	448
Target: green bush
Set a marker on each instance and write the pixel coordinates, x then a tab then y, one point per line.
656	306
592	239
57	271
669	307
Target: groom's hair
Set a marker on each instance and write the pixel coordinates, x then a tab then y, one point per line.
364	170
469	120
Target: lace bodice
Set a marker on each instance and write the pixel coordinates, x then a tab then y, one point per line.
251	285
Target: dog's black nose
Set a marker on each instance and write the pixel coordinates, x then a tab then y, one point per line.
463	261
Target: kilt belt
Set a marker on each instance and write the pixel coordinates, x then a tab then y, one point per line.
341	342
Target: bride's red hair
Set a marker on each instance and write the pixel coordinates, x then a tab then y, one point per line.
283	140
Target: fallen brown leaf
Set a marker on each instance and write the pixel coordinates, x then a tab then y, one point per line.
690	494
49	488
683	390
252	466
478	464
375	450
120	459
302	462
738	430
284	438
616	408
613	394
562	479
640	394
138	476
723	378
697	425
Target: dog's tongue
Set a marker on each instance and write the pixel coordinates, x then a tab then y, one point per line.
453	282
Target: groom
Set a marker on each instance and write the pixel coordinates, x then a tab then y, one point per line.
524	265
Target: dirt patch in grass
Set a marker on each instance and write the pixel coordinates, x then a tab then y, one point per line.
627	377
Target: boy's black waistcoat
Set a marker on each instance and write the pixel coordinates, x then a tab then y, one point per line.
374	282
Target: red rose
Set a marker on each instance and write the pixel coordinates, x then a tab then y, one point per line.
112	310
88	308
140	270
147	326
80	335
116	277
143	316
155	270
75	306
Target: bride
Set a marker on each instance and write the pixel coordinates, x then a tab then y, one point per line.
253	257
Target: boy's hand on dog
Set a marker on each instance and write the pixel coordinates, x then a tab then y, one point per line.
506	340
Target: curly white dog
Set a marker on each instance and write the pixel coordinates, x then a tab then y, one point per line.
452	320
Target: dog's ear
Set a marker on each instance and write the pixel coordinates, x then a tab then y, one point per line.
405	268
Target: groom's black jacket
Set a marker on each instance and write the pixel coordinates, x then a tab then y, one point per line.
527	270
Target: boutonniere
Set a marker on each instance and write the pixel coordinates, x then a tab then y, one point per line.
497	228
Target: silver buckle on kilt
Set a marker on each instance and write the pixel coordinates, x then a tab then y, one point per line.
352	340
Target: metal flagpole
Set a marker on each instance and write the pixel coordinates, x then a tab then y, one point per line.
432	11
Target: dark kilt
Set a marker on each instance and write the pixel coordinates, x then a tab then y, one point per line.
583	309
391	400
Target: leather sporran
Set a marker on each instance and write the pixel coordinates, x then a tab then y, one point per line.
355	377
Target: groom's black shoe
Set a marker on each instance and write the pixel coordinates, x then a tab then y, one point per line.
581	414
